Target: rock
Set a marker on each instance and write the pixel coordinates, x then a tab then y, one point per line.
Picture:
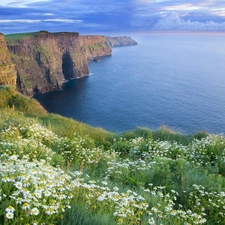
7	68
120	41
44	61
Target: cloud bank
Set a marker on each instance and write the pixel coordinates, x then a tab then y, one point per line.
91	16
175	22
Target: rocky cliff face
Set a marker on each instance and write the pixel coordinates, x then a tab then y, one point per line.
94	46
120	41
7	68
44	61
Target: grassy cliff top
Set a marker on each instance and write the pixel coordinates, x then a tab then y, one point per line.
19	35
31	34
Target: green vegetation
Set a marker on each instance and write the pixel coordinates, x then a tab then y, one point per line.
94	47
12	102
97	46
14	39
19	35
27	80
9	97
163	134
44	50
54	170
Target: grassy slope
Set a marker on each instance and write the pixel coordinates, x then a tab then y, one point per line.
17	106
194	169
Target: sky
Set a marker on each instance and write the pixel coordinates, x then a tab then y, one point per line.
94	16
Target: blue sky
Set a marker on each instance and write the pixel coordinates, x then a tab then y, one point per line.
95	16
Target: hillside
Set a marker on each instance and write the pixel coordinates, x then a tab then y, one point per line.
58	171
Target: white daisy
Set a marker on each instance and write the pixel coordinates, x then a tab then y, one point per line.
18	185
10	209
9	215
34	211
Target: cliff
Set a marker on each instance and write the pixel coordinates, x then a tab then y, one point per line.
7	68
120	41
44	61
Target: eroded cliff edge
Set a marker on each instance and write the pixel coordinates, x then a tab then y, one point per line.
41	62
7	68
44	61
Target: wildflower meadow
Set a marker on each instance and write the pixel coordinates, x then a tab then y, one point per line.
50	179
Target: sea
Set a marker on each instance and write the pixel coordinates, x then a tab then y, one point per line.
169	79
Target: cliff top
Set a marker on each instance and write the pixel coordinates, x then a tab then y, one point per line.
19	35
32	34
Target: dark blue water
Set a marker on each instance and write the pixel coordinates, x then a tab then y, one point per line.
173	80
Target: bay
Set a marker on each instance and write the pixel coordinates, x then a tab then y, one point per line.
177	80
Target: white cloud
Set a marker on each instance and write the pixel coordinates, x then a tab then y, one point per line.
218	11
182	7
151	1
39	21
173	21
48	14
40	14
19	3
63	20
20	21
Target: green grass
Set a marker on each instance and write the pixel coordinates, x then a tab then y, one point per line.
166	134
162	134
79	216
19	35
45	50
15	102
67	127
9	97
138	177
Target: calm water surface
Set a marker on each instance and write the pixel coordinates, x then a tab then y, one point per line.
167	79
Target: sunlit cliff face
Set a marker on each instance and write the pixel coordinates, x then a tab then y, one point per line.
7	68
44	61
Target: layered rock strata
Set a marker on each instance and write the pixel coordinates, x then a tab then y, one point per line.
41	62
7	68
44	61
